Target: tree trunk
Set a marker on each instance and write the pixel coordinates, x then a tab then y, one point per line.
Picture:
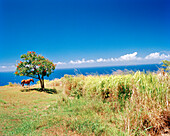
42	84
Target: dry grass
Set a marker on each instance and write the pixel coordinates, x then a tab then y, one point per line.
140	101
126	104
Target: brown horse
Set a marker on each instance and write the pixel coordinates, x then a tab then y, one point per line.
26	82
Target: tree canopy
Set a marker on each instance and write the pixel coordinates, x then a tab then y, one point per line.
35	66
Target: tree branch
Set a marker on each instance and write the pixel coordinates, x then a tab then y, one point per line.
39	77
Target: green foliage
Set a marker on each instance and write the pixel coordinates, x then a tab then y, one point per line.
124	92
34	65
116	86
166	64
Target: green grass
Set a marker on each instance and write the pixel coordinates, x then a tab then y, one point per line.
132	104
2	101
22	112
37	112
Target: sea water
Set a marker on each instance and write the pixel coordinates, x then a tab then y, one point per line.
6	77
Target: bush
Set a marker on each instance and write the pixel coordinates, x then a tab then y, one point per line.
13	85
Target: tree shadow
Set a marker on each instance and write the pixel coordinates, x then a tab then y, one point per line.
46	90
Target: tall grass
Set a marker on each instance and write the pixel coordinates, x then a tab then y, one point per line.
111	105
138	102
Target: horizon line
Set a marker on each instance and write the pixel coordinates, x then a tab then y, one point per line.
96	66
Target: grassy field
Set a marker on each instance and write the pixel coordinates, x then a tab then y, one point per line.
127	104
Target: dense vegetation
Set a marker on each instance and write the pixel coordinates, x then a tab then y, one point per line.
132	103
120	104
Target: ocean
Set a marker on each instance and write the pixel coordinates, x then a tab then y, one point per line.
6	77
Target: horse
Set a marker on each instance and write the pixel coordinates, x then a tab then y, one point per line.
26	82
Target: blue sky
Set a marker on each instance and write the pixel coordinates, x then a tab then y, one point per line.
82	33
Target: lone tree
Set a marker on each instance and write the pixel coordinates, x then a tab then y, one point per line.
35	66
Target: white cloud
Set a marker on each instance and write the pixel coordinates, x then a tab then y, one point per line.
90	61
129	57
71	62
81	61
3	66
157	55
99	60
60	63
105	60
7	68
133	57
126	57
